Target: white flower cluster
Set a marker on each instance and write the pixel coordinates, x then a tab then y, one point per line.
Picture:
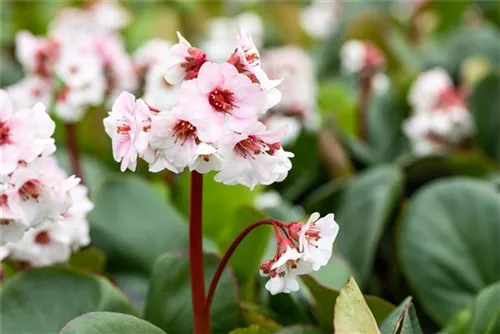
80	63
42	210
306	248
441	121
213	126
297	108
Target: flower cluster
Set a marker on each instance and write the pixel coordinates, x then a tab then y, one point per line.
79	64
441	121
41	209
298	104
306	248
214	125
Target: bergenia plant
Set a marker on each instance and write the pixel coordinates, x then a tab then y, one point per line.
214	126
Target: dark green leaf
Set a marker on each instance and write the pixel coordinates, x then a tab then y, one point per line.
484	103
449	244
300	329
44	300
135	286
362	213
169	298
133	224
109	323
403	320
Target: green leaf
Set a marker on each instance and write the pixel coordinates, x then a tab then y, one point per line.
385	116
253	329
253	315
337	98
300	329
277	207
44	300
448	244
135	286
335	274
486	311
220	203
109	323
362	213
352	314
403	320
133	224
90	259
169	298
449	15
325	297
484	103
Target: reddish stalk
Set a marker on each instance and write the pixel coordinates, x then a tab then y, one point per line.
364	99
201	320
73	151
229	253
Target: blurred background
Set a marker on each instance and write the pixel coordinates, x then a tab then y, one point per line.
358	153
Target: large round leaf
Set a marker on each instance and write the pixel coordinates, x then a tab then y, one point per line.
44	300
484	104
362	213
109	323
449	239
134	224
169	299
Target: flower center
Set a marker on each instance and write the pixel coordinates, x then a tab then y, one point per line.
449	98
183	130
122	128
4	133
222	100
42	238
193	63
250	147
30	189
3	200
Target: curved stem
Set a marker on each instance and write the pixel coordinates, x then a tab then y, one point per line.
73	150
201	321
229	252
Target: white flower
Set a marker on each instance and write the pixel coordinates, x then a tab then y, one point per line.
277	121
109	15
205	159
352	55
425	91
4	252
128	124
36	54
29	91
298	88
157	91
11	226
253	157
183	61
44	246
316	239
151	53
320	18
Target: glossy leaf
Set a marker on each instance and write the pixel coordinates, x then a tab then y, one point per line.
133	224
448	244
109	323
168	303
352	314
44	300
364	208
484	103
403	320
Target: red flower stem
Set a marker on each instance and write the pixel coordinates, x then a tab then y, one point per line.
201	321
364	100
229	253
73	151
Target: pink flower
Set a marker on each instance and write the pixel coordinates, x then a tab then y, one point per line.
29	91
128	124
24	135
253	157
36	54
183	61
176	135
220	93
359	56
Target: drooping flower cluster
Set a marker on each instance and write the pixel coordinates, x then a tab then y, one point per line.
297	108
40	207
306	248
441	121
365	59
79	64
213	126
